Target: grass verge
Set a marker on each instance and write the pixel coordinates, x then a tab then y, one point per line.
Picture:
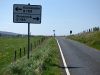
91	39
43	61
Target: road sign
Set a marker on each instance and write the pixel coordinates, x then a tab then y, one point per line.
27	13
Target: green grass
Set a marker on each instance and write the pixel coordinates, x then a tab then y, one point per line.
7	47
92	39
43	61
51	63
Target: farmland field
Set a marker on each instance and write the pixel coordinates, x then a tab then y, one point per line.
43	60
7	47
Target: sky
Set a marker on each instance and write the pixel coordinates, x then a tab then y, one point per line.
59	15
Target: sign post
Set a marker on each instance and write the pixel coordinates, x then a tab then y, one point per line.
28	40
54	32
27	14
28	55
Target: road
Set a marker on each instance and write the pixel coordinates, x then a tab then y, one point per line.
80	59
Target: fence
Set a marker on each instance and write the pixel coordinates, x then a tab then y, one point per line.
23	51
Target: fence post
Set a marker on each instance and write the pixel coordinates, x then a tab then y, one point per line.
20	52
15	56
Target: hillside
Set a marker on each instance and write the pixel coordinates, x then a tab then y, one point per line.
91	39
5	33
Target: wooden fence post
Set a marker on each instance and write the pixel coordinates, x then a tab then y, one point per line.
20	53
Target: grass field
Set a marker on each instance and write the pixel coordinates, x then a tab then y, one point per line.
7	47
43	61
92	39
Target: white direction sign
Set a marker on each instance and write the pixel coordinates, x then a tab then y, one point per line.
27	13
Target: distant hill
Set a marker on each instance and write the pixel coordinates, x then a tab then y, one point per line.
5	33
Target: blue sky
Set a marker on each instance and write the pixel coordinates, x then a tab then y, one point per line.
59	15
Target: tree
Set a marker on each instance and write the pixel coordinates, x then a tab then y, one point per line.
89	30
70	32
96	29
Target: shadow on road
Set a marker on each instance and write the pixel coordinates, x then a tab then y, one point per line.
69	67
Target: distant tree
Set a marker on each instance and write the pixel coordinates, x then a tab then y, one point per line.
96	29
89	30
70	32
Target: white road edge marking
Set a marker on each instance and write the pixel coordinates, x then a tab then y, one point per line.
64	62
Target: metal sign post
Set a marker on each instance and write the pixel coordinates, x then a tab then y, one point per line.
54	32
28	40
28	55
27	14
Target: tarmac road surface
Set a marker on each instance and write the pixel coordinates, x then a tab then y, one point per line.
80	59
